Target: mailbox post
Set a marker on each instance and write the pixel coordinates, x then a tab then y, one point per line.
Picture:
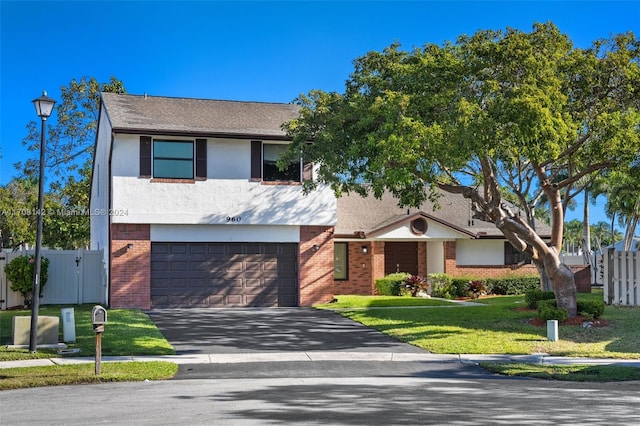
99	319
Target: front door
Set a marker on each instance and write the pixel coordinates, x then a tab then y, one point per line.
400	257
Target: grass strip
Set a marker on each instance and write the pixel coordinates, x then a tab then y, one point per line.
74	374
573	373
127	332
363	302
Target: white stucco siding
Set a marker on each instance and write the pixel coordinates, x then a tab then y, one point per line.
228	159
125	158
225	233
217	201
480	252
434	231
99	224
435	257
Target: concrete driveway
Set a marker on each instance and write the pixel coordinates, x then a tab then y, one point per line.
253	330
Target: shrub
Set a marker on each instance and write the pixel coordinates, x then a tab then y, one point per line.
547	310
20	273
391	285
476	288
532	297
461	286
512	285
415	283
592	308
442	286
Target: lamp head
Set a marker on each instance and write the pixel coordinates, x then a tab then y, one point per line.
44	105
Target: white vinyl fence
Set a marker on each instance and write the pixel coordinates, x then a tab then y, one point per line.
621	272
74	277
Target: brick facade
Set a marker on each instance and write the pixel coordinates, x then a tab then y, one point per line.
315	267
130	269
364	269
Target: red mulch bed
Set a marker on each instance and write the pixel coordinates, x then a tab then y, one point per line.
577	320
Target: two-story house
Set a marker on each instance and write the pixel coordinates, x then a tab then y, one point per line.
191	211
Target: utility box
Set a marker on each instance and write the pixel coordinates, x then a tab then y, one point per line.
68	325
47	333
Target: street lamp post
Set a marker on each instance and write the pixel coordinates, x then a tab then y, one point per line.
44	107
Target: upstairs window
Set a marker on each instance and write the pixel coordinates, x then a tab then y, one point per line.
270	171
173	159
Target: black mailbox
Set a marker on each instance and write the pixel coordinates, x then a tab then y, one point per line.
99	318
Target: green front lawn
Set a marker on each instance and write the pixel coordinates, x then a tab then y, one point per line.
127	332
362	302
501	327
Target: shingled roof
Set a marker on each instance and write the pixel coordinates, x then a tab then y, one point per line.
206	117
367	216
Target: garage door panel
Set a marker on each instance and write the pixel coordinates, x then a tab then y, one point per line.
253	283
178	249
223	274
197	248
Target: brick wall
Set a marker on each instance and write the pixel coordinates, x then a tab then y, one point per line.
130	274
316	267
360	271
422	258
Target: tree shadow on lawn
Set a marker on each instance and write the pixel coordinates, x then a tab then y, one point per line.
500	329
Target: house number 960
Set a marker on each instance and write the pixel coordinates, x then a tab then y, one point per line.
234	219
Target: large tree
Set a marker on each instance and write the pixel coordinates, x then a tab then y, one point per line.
456	116
71	135
69	150
623	199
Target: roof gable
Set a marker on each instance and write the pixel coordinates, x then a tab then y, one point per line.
165	115
368	217
402	228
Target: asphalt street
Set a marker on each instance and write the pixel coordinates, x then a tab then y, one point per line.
309	367
326	401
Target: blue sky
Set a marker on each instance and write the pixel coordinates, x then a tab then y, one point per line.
242	50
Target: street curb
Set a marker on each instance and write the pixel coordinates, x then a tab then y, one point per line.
322	356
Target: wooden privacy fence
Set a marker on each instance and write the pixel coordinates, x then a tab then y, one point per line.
74	277
622	278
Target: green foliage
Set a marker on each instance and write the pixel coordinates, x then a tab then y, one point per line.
512	285
20	273
70	140
461	286
391	285
547	310
514	108
476	288
414	284
442	286
532	297
69	149
18	205
591	308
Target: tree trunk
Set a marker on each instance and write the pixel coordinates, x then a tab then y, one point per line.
564	285
586	238
545	281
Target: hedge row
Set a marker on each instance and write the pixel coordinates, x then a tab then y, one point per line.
442	285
